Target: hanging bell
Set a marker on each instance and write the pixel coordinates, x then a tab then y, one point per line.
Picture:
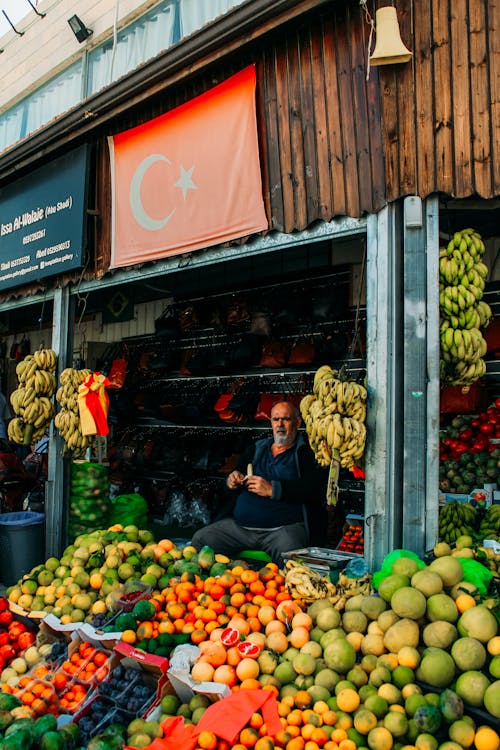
389	47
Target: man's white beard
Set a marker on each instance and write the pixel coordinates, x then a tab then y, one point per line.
282	439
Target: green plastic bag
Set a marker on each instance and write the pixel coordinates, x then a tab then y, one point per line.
476	573
128	510
386	569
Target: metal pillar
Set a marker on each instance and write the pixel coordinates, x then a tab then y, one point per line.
432	478
421	374
55	532
384	420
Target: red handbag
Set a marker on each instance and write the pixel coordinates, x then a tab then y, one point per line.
274	354
117	373
303	352
266	403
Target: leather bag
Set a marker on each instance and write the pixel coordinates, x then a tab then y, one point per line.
274	354
302	352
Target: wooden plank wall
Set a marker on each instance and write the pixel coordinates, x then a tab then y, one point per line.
441	111
320	121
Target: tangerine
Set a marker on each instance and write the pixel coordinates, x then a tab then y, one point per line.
207	740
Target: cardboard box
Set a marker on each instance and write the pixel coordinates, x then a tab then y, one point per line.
183	684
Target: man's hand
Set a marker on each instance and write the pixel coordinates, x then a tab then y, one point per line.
259	485
235	480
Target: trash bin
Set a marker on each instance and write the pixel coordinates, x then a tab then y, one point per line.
21	544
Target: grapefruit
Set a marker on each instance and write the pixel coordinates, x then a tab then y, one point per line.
427	581
437	668
372	606
441	607
404	632
468	653
408	602
478	622
340	655
440	634
491	699
449	568
471	687
391	584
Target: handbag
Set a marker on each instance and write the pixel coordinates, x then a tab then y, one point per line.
117	373
274	354
302	352
266	403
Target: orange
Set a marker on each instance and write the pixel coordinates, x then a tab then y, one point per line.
302	699
302	620
277	642
465	601
297	743
338	735
264	743
247	668
294	718
347	745
197	636
299	636
240	624
225	674
248	736
237	598
286	610
214	654
348	700
319	736
329	718
306	731
207	740
166	544
256	720
255	624
486	739
275	626
233	656
249	576
250	684
266	613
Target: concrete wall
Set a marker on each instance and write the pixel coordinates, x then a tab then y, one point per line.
48	44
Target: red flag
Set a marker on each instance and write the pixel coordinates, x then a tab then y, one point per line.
189	178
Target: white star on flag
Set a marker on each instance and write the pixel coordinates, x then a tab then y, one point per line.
185	182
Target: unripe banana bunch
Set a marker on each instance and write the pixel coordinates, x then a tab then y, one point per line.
462	276
334	416
67	420
456	519
31	400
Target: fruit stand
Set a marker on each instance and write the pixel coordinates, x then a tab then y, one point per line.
207	652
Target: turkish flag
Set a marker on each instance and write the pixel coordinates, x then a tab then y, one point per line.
189	178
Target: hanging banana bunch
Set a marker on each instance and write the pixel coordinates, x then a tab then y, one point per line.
67	420
462	278
31	401
334	416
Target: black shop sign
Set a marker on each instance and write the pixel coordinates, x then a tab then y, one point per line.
42	221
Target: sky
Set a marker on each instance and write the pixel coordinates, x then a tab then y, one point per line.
15	9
